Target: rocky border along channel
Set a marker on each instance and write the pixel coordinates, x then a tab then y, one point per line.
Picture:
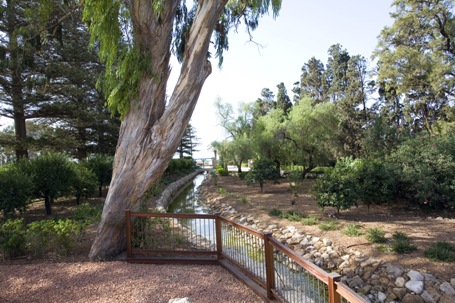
376	281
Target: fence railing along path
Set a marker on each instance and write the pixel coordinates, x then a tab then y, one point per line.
274	271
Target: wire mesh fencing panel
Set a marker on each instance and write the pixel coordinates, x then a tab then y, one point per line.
245	247
274	267
294	283
166	235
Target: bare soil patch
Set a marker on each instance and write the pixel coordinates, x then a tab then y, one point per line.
422	227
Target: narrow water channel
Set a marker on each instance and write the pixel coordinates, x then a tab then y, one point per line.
188	202
294	285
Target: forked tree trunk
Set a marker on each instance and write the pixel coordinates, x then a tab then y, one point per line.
150	133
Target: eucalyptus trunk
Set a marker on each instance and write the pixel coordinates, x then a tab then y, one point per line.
151	131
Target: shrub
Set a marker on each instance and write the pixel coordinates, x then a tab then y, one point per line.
222	172
402	244
261	171
329	225
102	166
375	180
180	166
84	181
242	175
441	251
376	235
65	233
352	230
275	212
52	176
244	200
311	220
222	191
87	214
39	236
12	238
425	166
293	215
16	189
338	187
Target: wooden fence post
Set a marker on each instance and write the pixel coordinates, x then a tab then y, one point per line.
219	240
269	265
334	297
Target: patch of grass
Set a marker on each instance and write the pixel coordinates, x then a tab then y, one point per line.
402	244
243	200
275	212
222	191
398	235
441	251
376	235
385	249
293	215
311	220
352	230
329	225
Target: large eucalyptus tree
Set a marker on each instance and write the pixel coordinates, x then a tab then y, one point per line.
135	39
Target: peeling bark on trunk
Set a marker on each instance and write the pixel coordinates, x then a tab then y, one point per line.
150	133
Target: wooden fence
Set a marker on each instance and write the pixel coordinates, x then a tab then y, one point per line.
271	269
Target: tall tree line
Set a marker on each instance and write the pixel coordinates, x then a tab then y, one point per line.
48	76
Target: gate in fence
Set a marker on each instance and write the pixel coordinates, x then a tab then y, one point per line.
271	269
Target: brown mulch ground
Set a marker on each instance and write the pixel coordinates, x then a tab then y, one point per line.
421	227
24	275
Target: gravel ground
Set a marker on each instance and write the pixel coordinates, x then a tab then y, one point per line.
119	282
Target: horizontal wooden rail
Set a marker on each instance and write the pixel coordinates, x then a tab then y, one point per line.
213	250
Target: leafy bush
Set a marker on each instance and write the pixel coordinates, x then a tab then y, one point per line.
39	236
293	215
425	167
12	238
222	191
84	181
102	166
375	180
261	171
222	172
16	189
65	233
311	220
376	235
242	175
352	230
329	225
402	244
338	187
87	214
244	200
441	251
275	212
180	166
52	176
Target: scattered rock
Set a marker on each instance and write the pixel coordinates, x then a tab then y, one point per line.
415	286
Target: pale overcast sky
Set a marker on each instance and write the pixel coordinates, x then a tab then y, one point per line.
303	29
